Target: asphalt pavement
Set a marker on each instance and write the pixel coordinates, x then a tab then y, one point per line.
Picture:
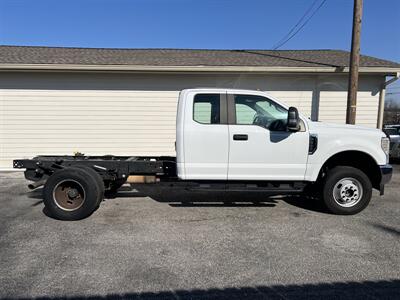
163	244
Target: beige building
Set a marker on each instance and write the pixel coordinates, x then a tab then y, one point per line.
123	101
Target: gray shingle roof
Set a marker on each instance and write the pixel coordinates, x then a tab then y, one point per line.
183	57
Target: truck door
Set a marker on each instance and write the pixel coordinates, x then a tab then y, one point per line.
260	146
206	138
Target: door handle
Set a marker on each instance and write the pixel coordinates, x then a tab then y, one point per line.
240	137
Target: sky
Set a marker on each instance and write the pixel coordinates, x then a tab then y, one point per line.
200	24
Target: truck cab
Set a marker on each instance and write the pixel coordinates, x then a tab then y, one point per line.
238	135
246	135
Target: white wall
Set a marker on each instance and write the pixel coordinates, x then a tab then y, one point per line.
333	100
128	114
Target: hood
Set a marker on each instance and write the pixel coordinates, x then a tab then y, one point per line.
347	128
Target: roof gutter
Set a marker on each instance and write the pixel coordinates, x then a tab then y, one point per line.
222	69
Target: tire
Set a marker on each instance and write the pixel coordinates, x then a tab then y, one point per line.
98	179
346	191
71	194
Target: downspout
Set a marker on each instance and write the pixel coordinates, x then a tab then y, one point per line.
382	92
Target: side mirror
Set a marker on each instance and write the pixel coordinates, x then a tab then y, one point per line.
293	120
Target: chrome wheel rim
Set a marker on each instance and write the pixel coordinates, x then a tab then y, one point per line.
69	195
347	192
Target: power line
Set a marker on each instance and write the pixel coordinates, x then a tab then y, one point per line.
297	24
301	27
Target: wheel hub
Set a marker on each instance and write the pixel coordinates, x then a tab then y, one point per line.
72	194
347	192
69	195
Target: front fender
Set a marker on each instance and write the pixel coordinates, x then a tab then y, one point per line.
328	147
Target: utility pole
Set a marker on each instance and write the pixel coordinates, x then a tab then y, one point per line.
354	63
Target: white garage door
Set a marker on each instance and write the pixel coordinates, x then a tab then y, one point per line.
49	122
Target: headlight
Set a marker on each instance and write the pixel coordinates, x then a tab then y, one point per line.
385	145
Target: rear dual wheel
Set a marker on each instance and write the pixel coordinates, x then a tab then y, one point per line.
73	193
98	179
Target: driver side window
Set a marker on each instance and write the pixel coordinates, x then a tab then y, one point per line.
260	111
244	114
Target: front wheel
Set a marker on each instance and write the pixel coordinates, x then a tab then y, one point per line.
346	191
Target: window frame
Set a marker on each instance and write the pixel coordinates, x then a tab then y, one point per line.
223	109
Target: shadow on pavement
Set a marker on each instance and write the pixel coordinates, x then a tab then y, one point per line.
337	290
183	198
388	229
36	194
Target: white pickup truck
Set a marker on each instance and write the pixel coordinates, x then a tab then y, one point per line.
235	140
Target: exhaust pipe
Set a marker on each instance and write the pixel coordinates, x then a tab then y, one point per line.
36	184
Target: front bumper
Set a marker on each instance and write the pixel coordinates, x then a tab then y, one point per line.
386	175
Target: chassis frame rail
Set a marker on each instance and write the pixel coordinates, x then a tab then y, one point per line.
109	167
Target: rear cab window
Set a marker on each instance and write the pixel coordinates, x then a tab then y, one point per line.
207	108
